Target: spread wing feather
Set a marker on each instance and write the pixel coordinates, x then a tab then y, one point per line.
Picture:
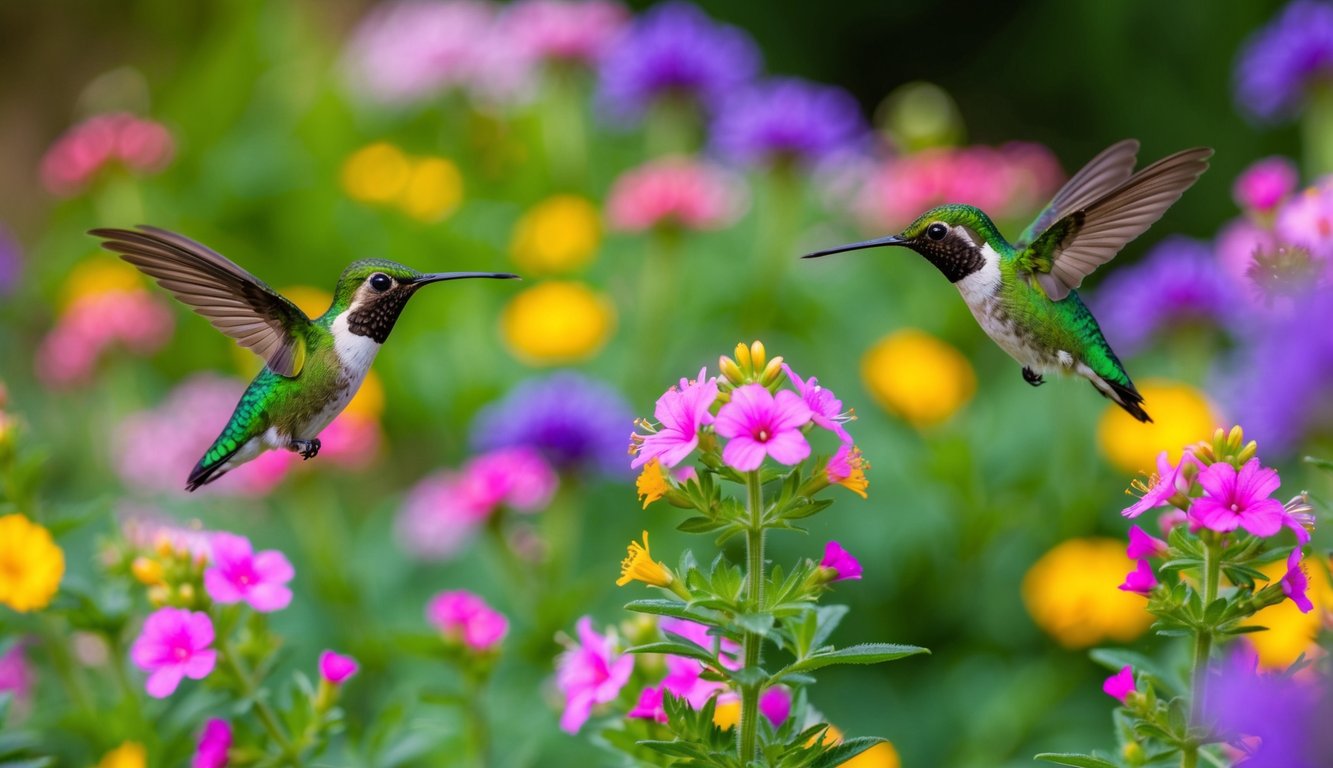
234	301
1103	173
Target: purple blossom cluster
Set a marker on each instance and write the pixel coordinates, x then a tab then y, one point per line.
1280	63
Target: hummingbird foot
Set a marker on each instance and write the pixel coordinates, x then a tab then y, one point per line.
308	449
1032	377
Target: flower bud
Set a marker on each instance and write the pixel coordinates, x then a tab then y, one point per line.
758	355
772	372
730	370
159	595
743	356
147	570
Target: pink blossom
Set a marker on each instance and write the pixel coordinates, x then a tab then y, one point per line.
336	668
519	478
237	573
1241	499
214	742
1171	518
464	617
1141	580
588	674
684	679
760	425
1121	684
680	413
564	31
352	441
1142	545
145	528
93	324
174	644
1265	184
824	405
1295	582
775	704
16	676
649	706
840	562
1236	245
675	192
439	516
700	635
1164	484
142	146
1307	220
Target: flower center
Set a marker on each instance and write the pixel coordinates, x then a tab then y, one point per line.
180	653
1235	507
762	435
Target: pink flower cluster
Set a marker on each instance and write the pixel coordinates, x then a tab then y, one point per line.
589	673
567	31
237	573
138	144
93	324
467	620
443	511
675	192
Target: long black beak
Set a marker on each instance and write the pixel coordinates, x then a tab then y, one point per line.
435	277
890	240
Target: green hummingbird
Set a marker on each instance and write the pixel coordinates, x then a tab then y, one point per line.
313	367
1022	293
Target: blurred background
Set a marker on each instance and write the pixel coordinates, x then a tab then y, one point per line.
655	197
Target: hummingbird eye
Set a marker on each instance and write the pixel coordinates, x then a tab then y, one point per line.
380	282
937	231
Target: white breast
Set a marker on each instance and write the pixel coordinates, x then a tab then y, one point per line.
355	352
982	285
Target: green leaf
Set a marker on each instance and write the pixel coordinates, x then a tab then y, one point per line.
755	623
1323	464
1076	760
845	751
688	650
699	524
659	607
827	618
865	653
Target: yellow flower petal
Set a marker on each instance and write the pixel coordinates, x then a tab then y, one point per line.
31	565
639	565
310	300
918	377
128	755
376	173
727	713
557	323
882	755
559	234
1072	594
433	190
652	483
100	274
1181	416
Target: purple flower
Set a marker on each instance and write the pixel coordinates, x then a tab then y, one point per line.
16	676
675	51
465	618
1273	717
336	667
1178	282
760	425
1265	184
1295	582
1120	685
517	477
238	574
788	120
1239	499
1141	580
214	741
11	262
775	704
1306	220
1280	61
174	644
588	674
840	562
577	423
825	405
680	412
1142	545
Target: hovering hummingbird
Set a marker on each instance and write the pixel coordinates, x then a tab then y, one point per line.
313	367
1023	293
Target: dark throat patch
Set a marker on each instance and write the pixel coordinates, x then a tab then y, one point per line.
954	257
376	317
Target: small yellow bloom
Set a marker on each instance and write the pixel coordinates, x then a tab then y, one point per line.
557	235
882	755
918	377
310	300
852	475
832	737
100	274
652	483
434	189
369	399
639	565
1072	593
128	755
1290	632
557	322
377	173
147	570
1181	416
31	564
727	713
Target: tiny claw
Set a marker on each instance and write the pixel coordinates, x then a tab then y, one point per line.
1032	377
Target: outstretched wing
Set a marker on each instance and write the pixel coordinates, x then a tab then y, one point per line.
1102	174
234	301
1091	235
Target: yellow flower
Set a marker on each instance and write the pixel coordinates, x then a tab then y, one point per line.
851	472
377	173
882	755
310	300
128	755
639	565
652	483
727	713
557	235
557	322
433	191
147	570
1181	416
101	274
30	564
918	377
1072	594
1290	632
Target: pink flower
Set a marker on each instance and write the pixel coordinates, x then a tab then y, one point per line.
1171	518
825	405
775	704
1307	220
352	441
1121	684
239	574
1295	582
518	478
588	674
700	635
564	31
680	412
439	517
760	425
16	676
465	617
1236	245
1142	545
173	644
1162	485
336	667
684	679
93	324
1141	580
214	742
649	706
83	151
840	562
675	192
1265	183
1241	499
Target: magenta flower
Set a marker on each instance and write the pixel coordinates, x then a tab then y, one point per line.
1295	582
680	412
16	676
684	679
675	192
439	516
1121	684
173	644
1141	580
760	425
517	477
825	405
775	704
588	674
1307	220
140	145
336	667
1265	184
93	324
214	742
1142	545
465	618
1241	499
239	574
1162	485
699	635
840	562
649	706
579	31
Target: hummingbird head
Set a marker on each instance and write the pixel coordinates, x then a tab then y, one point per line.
373	292
952	237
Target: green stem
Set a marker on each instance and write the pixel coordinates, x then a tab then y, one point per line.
54	642
779	222
754	581
250	689
1203	646
659	277
1317	131
479	741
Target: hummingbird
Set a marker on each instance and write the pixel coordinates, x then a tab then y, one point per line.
312	368
1023	293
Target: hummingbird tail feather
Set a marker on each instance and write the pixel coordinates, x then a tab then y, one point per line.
206	472
1125	396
